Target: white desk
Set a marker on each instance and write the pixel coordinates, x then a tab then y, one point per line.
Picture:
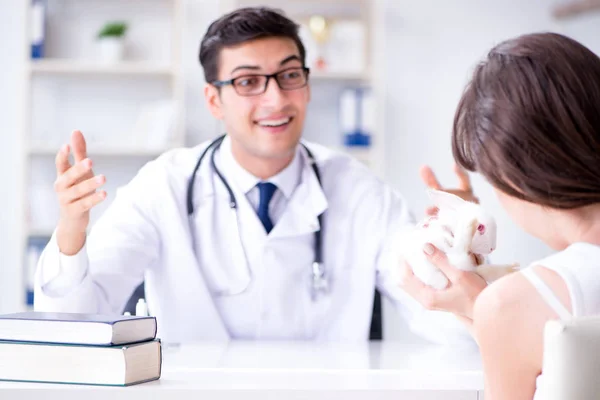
283	370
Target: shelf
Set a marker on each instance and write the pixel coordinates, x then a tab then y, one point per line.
40	232
57	66
45	150
360	153
146	68
299	8
340	76
575	8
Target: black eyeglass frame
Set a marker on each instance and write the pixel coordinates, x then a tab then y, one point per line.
231	82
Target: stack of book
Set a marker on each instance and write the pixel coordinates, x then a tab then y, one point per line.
79	348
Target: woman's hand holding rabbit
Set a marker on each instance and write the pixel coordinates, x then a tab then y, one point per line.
458	297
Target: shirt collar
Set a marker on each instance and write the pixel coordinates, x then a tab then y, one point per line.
286	180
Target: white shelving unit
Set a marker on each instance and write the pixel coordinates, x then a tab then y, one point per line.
112	97
341	76
41	149
329	82
89	68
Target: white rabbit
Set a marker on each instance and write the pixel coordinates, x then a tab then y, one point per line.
463	230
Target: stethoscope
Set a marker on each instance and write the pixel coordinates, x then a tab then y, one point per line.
319	281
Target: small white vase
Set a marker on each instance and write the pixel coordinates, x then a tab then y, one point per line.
111	49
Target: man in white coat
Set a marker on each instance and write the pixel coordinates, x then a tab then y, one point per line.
246	272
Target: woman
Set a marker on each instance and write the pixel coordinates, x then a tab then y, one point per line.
529	122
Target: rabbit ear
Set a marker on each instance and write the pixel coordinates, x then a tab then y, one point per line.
445	200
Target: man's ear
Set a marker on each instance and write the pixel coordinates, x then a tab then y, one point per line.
213	101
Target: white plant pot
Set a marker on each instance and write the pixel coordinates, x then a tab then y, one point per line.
112	50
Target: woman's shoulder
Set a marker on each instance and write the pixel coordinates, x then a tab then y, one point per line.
511	313
562	271
516	295
518	299
514	305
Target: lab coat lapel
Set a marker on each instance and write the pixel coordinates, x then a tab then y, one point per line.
206	187
307	202
252	226
213	208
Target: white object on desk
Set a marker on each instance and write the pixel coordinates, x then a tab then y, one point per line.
260	370
141	309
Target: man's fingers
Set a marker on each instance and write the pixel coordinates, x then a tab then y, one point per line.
457	192
466	195
62	160
464	182
72	175
79	146
82	189
465	190
429	178
88	202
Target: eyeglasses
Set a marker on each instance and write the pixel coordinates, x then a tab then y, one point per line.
252	85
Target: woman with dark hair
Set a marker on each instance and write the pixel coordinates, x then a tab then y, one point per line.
529	122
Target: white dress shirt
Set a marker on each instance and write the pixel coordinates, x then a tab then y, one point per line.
286	180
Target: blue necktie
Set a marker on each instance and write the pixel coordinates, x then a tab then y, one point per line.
267	189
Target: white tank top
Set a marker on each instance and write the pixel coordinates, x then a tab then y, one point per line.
579	266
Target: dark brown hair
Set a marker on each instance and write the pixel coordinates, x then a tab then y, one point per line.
243	25
529	121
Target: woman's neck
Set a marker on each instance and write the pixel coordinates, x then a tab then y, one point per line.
580	225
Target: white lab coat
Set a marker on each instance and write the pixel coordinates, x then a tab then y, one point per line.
145	235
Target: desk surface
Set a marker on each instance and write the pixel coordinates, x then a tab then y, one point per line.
269	367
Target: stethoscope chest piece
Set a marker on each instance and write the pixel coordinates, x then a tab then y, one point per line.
319	281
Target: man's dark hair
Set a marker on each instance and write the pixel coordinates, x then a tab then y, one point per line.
529	121
243	25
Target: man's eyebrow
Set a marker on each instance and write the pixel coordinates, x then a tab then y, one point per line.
256	67
252	67
290	58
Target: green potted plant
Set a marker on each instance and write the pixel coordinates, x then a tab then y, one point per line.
112	41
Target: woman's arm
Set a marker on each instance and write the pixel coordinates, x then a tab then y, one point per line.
508	322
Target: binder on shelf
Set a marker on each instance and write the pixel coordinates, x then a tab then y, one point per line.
38	28
35	246
356	117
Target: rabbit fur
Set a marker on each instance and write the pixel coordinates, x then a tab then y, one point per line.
463	230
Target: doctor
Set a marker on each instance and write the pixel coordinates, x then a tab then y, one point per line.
255	235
